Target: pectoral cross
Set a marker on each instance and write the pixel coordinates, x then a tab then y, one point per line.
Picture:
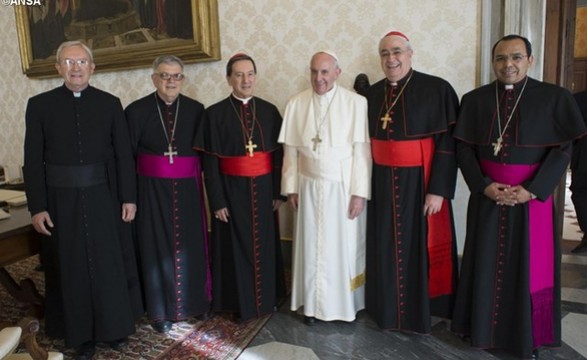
316	140
250	146
386	119
497	146
170	153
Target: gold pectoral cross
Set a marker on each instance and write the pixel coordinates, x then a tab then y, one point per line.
386	119
316	140
250	147
170	153
497	146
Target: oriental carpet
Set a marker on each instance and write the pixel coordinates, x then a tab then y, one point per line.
216	338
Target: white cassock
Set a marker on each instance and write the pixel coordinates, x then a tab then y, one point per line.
329	248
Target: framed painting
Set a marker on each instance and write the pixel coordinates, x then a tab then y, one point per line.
123	34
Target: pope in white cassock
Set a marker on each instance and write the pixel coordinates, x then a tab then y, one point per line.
326	177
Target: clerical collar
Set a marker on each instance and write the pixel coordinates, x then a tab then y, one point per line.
75	94
400	81
329	94
244	101
166	102
517	85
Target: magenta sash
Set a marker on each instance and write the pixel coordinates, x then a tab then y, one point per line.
541	233
158	166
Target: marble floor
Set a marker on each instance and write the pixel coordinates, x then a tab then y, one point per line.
286	337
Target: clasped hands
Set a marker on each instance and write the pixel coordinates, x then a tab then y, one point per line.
507	195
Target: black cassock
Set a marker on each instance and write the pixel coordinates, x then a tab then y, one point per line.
92	285
171	221
397	286
493	304
245	250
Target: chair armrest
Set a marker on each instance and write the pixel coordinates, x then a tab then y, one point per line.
30	326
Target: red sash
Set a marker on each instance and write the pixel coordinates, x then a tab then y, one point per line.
440	256
257	165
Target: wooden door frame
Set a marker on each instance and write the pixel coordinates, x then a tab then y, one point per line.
559	42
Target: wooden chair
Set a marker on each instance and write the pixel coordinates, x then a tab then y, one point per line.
25	331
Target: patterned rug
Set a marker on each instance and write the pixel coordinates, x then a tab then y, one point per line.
216	338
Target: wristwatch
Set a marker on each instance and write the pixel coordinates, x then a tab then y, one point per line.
532	196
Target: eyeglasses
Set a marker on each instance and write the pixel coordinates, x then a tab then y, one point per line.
165	76
504	58
80	62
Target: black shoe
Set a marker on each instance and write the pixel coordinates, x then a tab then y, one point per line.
86	351
119	344
581	248
205	316
309	320
535	354
161	326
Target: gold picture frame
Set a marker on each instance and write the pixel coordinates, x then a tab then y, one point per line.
115	51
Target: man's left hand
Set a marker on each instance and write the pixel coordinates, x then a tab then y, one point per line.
356	206
432	204
129	211
277	204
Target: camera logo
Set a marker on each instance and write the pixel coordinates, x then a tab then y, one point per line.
20	2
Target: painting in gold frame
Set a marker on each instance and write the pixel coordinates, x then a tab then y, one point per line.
129	39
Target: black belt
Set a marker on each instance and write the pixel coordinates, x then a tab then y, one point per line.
77	176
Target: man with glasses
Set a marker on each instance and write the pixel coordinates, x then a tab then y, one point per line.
514	144
242	168
411	244
171	220
81	188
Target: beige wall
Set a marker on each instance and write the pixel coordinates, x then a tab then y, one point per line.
281	35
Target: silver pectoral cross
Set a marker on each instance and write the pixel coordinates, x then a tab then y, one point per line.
316	140
250	147
497	146
170	153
